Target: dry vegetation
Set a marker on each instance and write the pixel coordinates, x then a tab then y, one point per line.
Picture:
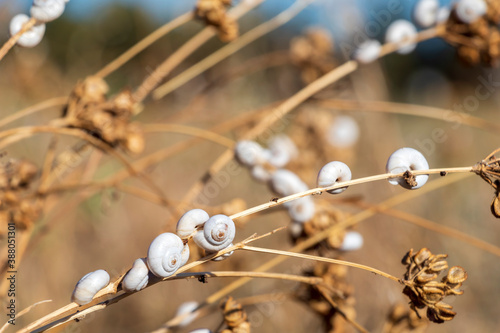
108	138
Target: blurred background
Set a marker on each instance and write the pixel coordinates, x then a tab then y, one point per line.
108	229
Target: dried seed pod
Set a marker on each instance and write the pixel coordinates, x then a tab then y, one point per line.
407	159
186	226
456	274
400	32
425	13
165	255
218	233
495	206
368	51
89	286
333	172
421	256
426	277
137	277
31	37
438	266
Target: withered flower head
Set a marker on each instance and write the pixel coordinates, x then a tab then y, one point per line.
213	12
235	316
489	170
423	288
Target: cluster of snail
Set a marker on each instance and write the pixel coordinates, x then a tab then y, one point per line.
43	11
426	13
166	254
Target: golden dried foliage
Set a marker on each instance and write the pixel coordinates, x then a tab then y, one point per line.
479	41
235	317
421	286
214	13
108	119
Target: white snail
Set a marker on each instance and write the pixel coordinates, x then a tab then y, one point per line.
443	14
285	182
165	255
399	32
201	330
407	159
368	51
47	10
31	37
333	172
260	173
249	153
137	277
425	13
186	309
352	241
282	150
296	228
218	233
469	11
89	286
302	210
222	257
189	221
344	131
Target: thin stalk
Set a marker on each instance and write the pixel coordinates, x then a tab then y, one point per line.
144	43
231	48
52	102
192	131
13	39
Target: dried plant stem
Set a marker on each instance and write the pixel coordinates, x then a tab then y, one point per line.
13	39
144	43
230	48
412	110
189	130
352	220
52	102
264	275
339	311
23	312
321	259
154	79
319	190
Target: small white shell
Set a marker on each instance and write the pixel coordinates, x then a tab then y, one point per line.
201	330
398	32
407	159
137	277
218	233
187	309
285	182
469	11
47	10
282	150
333	172
185	254
352	241
249	153
189	221
30	38
344	131
302	210
425	13
368	51
260	173
296	228
89	286
165	255
222	257
443	14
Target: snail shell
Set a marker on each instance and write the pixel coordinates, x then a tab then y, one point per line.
201	330
249	153
425	13
187	309
218	233
282	150
47	10
137	277
469	11
189	221
222	257
368	51
333	172
302	210
89	286
285	183
398	32
344	130
31	37
352	241
165	255
407	159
